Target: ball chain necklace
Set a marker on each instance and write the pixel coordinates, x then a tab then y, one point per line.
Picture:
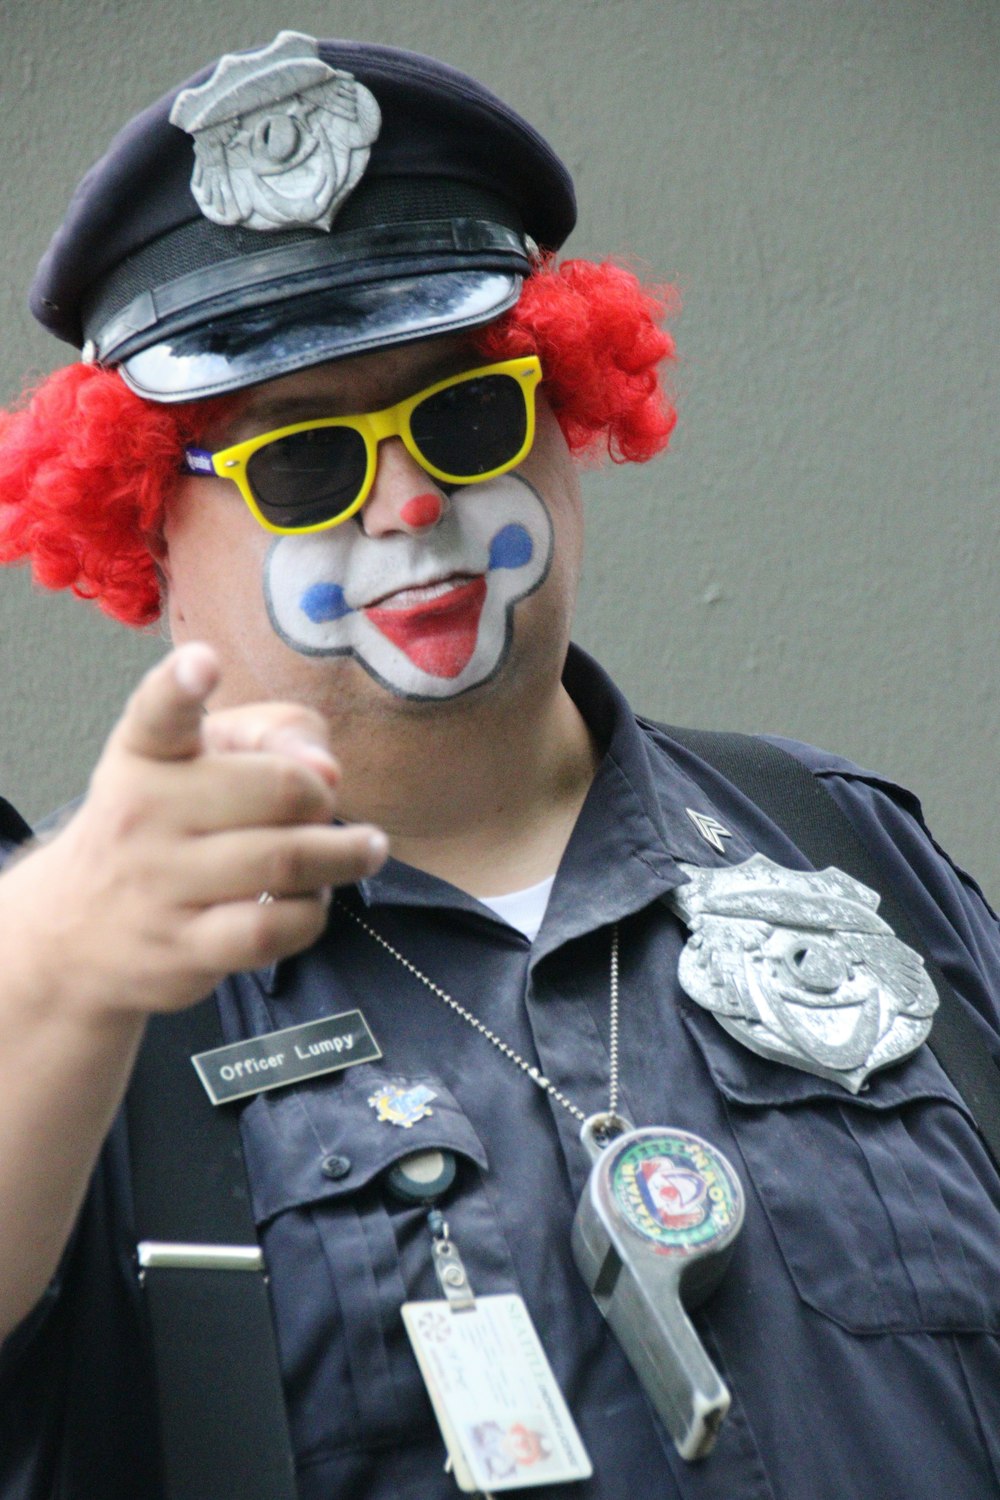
597	1129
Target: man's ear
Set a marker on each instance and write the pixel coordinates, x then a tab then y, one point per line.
171	615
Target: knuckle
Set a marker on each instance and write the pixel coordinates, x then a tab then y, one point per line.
297	716
297	795
309	922
287	781
248	940
283	927
261	941
127	812
285	869
310	722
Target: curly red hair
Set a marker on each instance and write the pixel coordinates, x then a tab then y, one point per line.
86	466
597	331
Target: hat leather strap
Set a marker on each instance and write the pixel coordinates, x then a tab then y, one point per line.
284	271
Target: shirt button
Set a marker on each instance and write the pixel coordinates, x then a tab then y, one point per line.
335	1167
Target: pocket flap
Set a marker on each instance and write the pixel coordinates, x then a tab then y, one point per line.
883	1204
744	1078
325	1140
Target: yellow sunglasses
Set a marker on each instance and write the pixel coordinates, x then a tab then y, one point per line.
313	475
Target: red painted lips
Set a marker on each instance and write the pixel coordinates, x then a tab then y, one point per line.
437	634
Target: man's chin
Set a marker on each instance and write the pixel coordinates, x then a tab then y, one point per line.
409	685
351	687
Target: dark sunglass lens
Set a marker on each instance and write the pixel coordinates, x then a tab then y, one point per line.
473	427
309	476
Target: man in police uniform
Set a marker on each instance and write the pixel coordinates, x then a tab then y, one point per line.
302	237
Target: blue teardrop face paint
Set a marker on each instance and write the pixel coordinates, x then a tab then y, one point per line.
429	614
512	547
324	601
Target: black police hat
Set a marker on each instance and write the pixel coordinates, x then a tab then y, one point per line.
294	204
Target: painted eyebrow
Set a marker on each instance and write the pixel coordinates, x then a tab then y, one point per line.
282	411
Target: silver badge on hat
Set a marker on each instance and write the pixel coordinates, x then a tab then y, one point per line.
798	966
280	138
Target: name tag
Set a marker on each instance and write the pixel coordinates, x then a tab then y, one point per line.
288	1056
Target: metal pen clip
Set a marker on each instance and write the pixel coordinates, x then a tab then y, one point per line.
175	1255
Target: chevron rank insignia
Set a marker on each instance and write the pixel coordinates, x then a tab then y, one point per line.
710	829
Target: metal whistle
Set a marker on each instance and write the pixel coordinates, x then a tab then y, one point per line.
652	1235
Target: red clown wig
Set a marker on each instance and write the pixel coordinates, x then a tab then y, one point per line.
86	466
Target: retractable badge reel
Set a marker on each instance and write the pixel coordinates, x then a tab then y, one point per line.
501	1414
652	1237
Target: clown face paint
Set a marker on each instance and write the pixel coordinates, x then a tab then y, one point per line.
427	615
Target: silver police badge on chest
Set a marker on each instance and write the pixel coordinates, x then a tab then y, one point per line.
798	966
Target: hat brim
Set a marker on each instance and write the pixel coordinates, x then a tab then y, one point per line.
258	344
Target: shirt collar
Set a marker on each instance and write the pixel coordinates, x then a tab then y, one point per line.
635	826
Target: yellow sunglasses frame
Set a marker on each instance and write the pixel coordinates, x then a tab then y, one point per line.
374	427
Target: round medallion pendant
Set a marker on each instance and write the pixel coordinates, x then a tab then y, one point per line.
676	1190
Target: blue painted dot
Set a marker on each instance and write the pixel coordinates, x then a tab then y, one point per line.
324	601
512	547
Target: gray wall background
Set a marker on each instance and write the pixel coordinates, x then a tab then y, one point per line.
817	553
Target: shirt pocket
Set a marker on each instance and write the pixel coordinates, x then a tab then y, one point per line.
343	1254
885	1206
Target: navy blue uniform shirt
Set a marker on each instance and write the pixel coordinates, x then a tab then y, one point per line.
857	1324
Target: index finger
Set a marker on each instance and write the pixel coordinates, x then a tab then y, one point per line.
163	717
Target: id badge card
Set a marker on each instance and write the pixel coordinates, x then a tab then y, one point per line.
501	1414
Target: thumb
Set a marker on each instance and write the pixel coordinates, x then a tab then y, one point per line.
163	717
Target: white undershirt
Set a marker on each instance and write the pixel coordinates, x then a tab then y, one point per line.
522	909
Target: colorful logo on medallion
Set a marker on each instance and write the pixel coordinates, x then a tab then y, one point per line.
677	1191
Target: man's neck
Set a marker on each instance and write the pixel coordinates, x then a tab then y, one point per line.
484	795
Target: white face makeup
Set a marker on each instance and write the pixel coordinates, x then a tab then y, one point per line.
428	615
